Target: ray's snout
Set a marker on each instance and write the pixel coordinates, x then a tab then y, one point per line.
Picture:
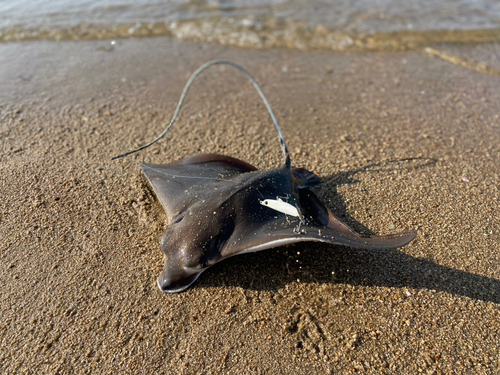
175	284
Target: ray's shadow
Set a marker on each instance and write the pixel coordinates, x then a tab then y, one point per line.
332	183
322	263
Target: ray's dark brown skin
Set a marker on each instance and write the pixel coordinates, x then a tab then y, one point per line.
213	208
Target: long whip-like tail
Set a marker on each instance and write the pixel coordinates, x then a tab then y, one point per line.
286	156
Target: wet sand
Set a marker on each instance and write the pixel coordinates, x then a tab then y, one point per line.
402	140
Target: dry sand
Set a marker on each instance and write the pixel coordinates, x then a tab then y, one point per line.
402	140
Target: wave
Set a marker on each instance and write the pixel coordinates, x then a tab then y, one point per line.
257	33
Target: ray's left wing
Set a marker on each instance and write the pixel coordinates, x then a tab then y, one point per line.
180	183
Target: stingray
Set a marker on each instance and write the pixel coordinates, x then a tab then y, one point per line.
218	206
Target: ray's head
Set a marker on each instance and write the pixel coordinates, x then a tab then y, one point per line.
190	248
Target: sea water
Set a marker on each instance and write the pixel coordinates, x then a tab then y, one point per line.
259	23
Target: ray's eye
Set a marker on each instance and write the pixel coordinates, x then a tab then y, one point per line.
179	218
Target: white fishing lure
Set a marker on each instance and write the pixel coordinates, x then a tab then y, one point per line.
279	205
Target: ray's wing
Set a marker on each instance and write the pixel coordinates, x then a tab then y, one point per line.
277	229
281	232
179	184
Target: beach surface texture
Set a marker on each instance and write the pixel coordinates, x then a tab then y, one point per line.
401	139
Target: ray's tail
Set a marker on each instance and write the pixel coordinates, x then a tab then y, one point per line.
286	156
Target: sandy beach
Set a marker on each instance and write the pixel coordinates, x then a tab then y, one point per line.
401	140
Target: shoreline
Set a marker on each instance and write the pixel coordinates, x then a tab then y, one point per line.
257	33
